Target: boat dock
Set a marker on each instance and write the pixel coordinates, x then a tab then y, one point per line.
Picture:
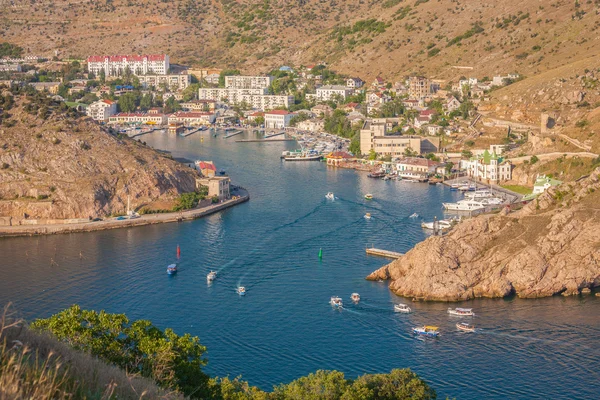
275	134
142	133
264	140
383	253
190	133
235	133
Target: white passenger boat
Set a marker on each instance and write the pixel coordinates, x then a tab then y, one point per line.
336	301
443	224
330	196
241	290
464	205
355	297
463	326
461	312
212	275
402	308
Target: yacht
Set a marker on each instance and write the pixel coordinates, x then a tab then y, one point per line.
368	216
492	201
336	301
443	224
463	326
241	290
464	205
461	312
355	297
330	196
402	308
479	194
426	331
172	269
212	275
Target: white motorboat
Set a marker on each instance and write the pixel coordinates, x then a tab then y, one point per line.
330	196
463	326
355	297
368	216
402	308
336	301
443	224
461	312
492	201
464	205
212	275
479	194
414	215
241	290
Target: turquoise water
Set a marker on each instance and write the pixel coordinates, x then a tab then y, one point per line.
284	327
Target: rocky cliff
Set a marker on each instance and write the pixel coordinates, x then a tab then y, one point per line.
55	164
550	246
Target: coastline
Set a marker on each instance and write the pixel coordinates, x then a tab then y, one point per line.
149	219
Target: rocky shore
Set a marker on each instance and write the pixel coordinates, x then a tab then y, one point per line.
551	246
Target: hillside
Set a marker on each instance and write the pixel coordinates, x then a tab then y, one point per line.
55	164
549	247
388	37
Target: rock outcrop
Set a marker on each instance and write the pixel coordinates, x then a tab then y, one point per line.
550	246
64	166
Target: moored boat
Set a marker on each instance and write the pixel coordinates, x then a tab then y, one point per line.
172	269
402	308
463	326
427	330
461	312
336	301
241	290
369	196
464	205
212	275
355	297
442	225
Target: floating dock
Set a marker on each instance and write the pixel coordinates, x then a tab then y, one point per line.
383	253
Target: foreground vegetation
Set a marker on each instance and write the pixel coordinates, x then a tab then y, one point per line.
85	354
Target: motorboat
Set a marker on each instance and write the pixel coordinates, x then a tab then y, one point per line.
241	290
369	196
172	269
414	215
461	312
212	275
330	196
368	216
443	225
492	201
402	308
479	194
426	330
463	326
336	301
464	205
355	297
467	188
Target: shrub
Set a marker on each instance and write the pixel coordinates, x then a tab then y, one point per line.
4	165
533	159
582	123
214	199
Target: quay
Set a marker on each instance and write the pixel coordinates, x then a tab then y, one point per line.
383	253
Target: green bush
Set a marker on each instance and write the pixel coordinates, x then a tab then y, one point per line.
188	200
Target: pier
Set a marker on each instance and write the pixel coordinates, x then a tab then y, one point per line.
372	251
275	134
264	140
235	133
143	133
190	133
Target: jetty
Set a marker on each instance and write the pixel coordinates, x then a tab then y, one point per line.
235	133
143	133
275	134
383	253
264	140
190	133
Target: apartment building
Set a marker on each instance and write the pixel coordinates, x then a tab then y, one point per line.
255	98
419	87
199	105
332	92
156	64
138	118
374	135
278	119
102	110
172	82
10	67
248	82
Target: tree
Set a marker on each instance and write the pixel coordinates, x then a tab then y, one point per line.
449	166
355	145
467	154
127	102
372	154
173	361
102	76
409	152
171	105
190	92
146	102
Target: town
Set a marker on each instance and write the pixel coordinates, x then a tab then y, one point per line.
414	128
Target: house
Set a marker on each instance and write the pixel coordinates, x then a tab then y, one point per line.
199	105
248	82
102	110
427	114
355	116
354	83
213	79
416	168
488	166
176	128
311	125
255	115
332	93
277	119
419	87
378	82
218	186
207	168
374	136
434	129
350	107
322	110
543	182
337	157
50	87
192	118
419	122
452	104
171	82
411	104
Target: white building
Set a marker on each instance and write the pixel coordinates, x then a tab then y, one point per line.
332	92
543	182
488	166
138	118
255	98
248	82
354	83
10	67
171	82
157	64
102	110
277	119
213	79
192	118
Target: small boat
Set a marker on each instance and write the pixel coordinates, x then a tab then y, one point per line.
355	297
369	196
463	326
376	174
402	308
212	275
172	269
414	215
431	331
368	216
330	196
336	301
241	290
464	205
461	312
222	172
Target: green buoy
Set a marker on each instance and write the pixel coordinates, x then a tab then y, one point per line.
320	254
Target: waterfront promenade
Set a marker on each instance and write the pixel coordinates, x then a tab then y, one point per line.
113	223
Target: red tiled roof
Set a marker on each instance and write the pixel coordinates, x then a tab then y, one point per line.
108	101
257	114
423	162
427	112
207	165
351	105
278	112
191	114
